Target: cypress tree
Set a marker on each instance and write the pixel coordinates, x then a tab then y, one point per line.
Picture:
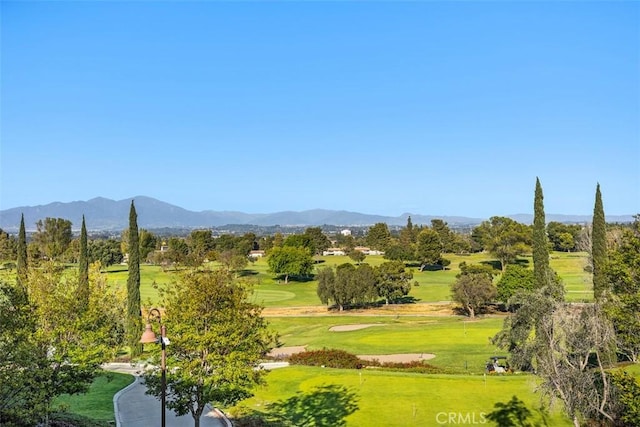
83	266
540	242
599	246
134	315
22	266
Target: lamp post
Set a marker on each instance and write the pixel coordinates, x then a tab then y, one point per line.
148	336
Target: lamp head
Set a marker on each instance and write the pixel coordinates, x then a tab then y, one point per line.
148	336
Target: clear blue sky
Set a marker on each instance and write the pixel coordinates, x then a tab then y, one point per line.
437	108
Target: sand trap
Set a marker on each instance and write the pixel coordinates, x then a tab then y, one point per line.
346	328
398	358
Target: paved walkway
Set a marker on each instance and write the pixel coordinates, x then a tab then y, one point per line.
134	408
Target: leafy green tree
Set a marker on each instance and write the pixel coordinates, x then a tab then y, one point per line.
473	291
290	261
564	237
134	314
22	262
319	240
399	252
515	278
346	286
540	242
627	391
379	236
217	340
108	252
599	247
504	238
447	237
393	281
408	235
429	249
147	241
53	236
20	359
8	246
73	337
357	256
623	305
83	265
300	241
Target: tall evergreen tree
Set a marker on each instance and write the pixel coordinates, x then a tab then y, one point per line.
83	266
134	315
599	246
540	242
22	264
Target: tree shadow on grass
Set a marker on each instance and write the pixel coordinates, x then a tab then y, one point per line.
327	405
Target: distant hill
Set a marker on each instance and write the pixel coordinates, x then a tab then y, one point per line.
105	214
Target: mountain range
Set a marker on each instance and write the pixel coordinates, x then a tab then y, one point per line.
106	214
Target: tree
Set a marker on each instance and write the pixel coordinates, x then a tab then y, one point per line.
147	242
392	281
623	305
564	237
540	243
83	265
408	235
71	337
504	238
515	278
22	262
134	314
447	237
8	246
379	237
290	261
106	251
347	285
217	340
429	248
473	291
599	247
319	240
356	256
53	236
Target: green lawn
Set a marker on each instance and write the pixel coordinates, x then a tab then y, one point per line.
459	345
97	403
387	398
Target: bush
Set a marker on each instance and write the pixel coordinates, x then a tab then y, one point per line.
330	358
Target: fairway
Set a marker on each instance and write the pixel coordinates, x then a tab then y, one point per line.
387	398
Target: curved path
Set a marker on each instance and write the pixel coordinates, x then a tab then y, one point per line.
134	408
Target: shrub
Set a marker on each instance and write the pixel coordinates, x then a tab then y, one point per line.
330	358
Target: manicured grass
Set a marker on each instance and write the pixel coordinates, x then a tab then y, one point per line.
97	403
433	286
459	345
387	398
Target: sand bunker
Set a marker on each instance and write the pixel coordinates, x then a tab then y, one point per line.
398	358
346	328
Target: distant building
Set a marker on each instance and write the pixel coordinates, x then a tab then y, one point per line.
256	254
333	251
346	232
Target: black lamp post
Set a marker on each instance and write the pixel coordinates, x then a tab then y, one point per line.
148	336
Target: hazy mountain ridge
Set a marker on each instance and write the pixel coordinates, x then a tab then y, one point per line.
106	214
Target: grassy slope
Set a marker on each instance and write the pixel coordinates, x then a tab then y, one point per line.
400	399
97	403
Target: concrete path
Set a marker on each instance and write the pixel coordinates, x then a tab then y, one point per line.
134	408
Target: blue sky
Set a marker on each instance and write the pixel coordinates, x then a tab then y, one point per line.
437	108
